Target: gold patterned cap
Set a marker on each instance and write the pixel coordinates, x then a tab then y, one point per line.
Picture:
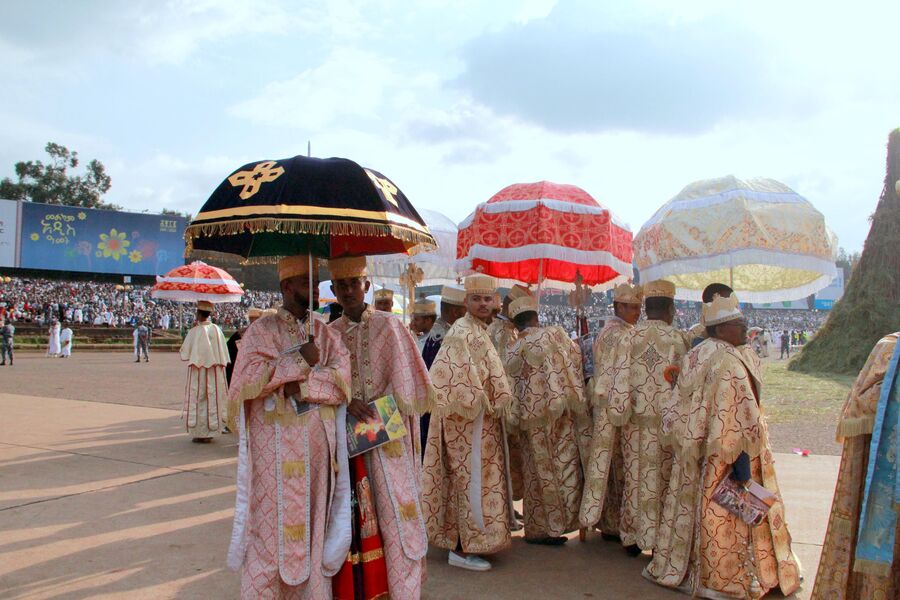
721	310
207	306
628	294
383	294
450	294
522	305
348	267
518	291
483	285
424	308
659	289
293	266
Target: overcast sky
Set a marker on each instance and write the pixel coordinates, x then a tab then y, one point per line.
455	100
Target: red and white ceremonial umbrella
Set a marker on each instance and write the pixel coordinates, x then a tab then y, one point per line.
545	233
197	281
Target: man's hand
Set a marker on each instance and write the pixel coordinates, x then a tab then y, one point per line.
361	410
310	353
291	388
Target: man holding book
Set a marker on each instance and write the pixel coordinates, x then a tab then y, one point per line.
467	499
387	554
720	441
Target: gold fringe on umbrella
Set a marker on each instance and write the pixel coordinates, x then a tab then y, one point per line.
419	242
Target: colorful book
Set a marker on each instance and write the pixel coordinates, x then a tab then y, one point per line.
387	426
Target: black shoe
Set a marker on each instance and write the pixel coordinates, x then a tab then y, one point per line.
610	537
138	360
547	541
633	550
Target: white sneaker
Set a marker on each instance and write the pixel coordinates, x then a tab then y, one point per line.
470	562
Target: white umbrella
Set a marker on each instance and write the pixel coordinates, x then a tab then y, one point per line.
759	236
438	266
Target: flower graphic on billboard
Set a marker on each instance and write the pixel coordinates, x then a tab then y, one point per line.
82	216
113	245
35	237
135	256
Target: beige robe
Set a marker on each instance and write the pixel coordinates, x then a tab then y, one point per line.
837	579
544	366
604	469
206	391
638	390
466	495
702	548
503	334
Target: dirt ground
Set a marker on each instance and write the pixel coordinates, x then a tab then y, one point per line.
802	409
102	495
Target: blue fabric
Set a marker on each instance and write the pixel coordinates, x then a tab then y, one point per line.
878	520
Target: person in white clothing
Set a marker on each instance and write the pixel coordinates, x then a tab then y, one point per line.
65	342
53	343
206	391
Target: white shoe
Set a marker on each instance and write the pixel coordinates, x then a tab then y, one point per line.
470	562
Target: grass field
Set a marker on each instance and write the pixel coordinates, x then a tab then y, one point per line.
803	408
791	396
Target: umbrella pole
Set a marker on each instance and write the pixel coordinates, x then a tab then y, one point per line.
311	297
540	283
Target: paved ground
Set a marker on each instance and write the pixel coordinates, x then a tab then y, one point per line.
103	500
116	378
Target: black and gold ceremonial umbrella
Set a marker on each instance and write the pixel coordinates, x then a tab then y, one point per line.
326	207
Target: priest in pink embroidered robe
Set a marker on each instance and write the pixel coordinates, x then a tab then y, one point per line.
385	360
292	514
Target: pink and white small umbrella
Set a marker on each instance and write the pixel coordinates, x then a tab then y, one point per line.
197	281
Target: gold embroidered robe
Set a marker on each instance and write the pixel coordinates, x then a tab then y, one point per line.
638	390
503	334
544	366
701	548
466	495
836	579
604	469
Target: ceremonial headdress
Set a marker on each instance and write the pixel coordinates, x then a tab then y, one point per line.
518	291
424	308
384	294
292	266
205	305
450	294
483	285
659	289
721	310
348	267
522	305
628	294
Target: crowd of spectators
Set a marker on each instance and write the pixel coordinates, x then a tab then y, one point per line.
40	301
28	300
556	311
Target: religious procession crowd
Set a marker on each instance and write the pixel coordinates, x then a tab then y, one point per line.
654	436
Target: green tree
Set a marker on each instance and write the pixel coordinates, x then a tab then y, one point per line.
52	183
847	261
870	308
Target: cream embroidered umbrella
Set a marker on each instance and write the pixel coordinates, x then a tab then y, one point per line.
758	235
